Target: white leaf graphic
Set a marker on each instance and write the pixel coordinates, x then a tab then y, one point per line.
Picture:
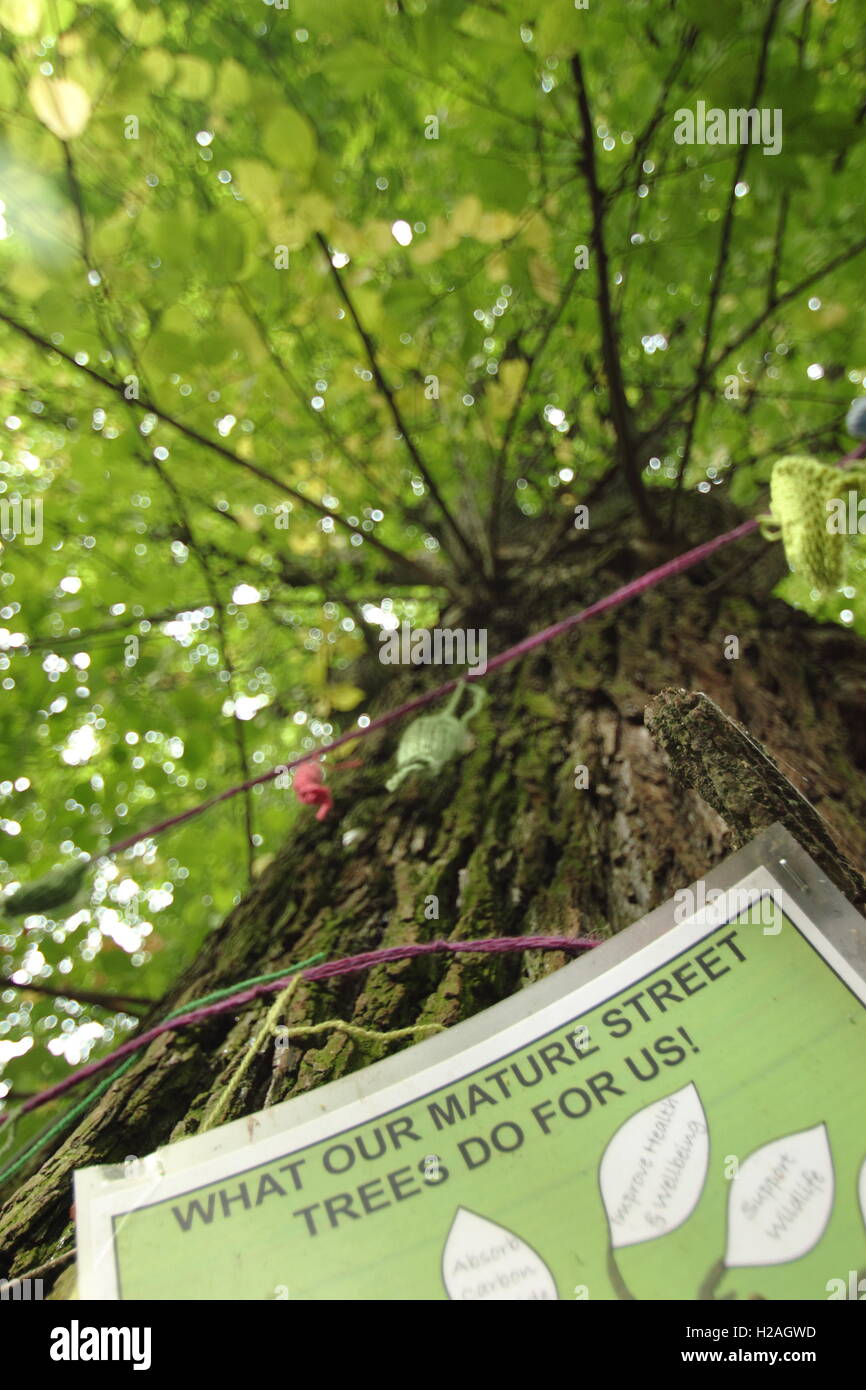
653	1170
780	1202
861	1191
62	106
484	1261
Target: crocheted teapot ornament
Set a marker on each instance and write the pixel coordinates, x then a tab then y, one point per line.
433	740
56	888
805	496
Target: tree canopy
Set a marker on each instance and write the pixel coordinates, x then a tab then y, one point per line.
307	309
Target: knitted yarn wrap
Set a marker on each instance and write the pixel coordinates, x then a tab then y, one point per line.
800	490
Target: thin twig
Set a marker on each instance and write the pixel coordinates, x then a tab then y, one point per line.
751	328
610	347
10	1285
393	407
501	466
132	1002
633	169
721	266
319	416
773	277
181	511
425	575
203	561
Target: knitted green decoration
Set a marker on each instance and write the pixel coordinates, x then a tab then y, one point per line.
434	739
800	490
55	888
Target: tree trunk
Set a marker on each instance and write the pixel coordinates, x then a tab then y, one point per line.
504	840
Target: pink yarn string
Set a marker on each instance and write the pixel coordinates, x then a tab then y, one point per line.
622	595
857	453
348	965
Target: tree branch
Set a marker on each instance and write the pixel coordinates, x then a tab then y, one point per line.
773	277
219	614
721	266
733	773
633	167
184	519
420	570
610	347
167	615
396	414
757	322
116	1002
322	422
501	465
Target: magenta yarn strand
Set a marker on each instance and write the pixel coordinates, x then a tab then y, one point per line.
622	595
327	971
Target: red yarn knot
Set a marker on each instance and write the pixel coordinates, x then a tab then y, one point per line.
310	789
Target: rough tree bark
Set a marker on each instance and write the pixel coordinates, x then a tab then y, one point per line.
720	759
503	838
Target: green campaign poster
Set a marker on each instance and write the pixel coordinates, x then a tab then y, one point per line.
687	1124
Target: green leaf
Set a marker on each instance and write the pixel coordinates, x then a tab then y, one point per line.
193	78
21	17
222	250
141	28
62	106
233	85
290	141
344	696
561	30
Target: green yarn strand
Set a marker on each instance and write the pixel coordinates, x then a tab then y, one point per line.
102	1086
